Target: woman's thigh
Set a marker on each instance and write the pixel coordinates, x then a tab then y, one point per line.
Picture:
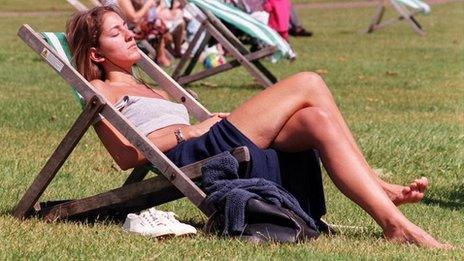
262	117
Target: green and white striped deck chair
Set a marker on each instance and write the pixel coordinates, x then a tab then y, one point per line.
407	9
60	45
136	193
249	25
206	12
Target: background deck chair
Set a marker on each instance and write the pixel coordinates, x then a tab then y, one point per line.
207	12
406	9
136	193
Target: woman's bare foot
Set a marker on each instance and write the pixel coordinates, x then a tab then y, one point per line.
413	234
406	194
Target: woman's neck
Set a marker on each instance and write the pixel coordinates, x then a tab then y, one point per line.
116	76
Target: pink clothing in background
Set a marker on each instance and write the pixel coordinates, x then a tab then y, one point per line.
279	15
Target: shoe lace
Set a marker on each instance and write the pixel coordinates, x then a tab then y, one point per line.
152	220
171	216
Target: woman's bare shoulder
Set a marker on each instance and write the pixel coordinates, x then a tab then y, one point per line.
97	83
102	87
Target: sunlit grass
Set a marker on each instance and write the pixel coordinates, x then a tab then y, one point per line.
402	95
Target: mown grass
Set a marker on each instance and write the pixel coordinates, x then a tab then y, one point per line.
402	95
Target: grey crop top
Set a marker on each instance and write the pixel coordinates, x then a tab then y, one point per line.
151	114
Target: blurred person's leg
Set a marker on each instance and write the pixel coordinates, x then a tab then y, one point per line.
296	28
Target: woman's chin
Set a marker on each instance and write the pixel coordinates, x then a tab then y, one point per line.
137	57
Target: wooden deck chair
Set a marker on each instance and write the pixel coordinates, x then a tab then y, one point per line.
206	12
136	193
407	9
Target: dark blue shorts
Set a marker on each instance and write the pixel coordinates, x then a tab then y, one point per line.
297	172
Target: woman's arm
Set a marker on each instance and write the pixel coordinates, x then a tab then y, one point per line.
132	15
127	156
122	151
165	139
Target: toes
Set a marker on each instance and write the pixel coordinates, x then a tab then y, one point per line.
416	196
423	184
414	185
406	190
419	184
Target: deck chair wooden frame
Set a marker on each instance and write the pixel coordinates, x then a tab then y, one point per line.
136	193
213	27
404	15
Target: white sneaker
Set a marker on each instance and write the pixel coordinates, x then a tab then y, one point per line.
145	225
175	225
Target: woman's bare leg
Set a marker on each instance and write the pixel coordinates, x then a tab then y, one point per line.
271	108
161	57
322	97
313	127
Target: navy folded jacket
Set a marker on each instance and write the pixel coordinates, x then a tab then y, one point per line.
229	193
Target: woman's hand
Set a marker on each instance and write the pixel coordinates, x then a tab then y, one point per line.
201	128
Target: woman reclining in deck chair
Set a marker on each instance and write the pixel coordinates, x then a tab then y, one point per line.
294	115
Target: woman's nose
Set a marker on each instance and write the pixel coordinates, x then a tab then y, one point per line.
129	34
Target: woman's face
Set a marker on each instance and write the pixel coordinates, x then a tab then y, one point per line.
117	44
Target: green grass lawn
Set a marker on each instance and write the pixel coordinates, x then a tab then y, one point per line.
402	95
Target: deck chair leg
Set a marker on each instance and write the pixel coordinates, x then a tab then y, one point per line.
188	52
138	174
377	17
264	76
196	57
408	17
58	157
225	67
269	75
251	68
414	20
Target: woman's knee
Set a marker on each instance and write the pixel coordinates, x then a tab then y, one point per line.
317	120
320	126
310	83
